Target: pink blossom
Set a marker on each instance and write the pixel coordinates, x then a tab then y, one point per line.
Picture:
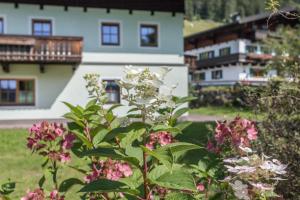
68	141
54	195
164	138
210	146
125	169
200	187
110	169
37	194
150	145
65	157
252	133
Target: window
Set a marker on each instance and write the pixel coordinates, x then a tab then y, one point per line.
113	91
225	51
251	49
206	55
148	35
218	74
1	26
16	92
41	27
110	34
199	76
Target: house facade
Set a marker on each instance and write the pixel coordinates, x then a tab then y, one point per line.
46	47
234	53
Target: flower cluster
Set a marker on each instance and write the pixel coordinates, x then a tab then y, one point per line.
146	90
110	169
254	175
39	194
161	138
51	140
237	133
95	88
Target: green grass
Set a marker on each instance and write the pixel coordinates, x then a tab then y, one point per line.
226	112
18	164
192	27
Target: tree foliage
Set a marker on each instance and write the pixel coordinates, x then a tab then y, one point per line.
220	10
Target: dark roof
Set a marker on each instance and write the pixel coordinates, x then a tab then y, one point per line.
239	24
151	5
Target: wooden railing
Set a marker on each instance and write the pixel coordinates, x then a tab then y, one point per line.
232	59
35	49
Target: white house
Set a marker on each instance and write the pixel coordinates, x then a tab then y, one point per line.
46	47
234	53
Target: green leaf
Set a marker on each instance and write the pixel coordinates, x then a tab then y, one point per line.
178	196
135	116
114	107
169	129
82	171
183	125
183	100
82	138
135	152
111	153
179	147
8	188
78	111
91	103
133	110
164	156
177	179
123	130
159	170
98	138
69	183
180	112
105	185
74	118
42	181
131	136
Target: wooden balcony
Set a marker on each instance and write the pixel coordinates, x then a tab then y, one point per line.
40	50
261	59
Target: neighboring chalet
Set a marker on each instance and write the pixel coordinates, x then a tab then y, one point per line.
233	53
47	46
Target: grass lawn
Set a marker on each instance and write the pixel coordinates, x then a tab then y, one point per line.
18	164
226	112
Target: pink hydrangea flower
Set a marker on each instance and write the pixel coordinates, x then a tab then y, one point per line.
51	140
54	195
37	194
200	187
110	169
161	138
68	141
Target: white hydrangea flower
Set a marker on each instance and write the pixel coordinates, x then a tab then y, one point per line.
245	149
262	186
240	190
275	167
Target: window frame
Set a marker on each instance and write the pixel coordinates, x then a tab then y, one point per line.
208	53
2	18
120	89
215	71
254	47
224	49
39	20
149	24
119	24
17	91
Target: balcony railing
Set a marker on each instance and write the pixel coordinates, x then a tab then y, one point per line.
43	50
232	59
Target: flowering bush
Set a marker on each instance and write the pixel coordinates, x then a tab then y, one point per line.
53	142
235	134
139	156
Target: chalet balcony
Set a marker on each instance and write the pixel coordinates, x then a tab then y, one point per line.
233	59
40	50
